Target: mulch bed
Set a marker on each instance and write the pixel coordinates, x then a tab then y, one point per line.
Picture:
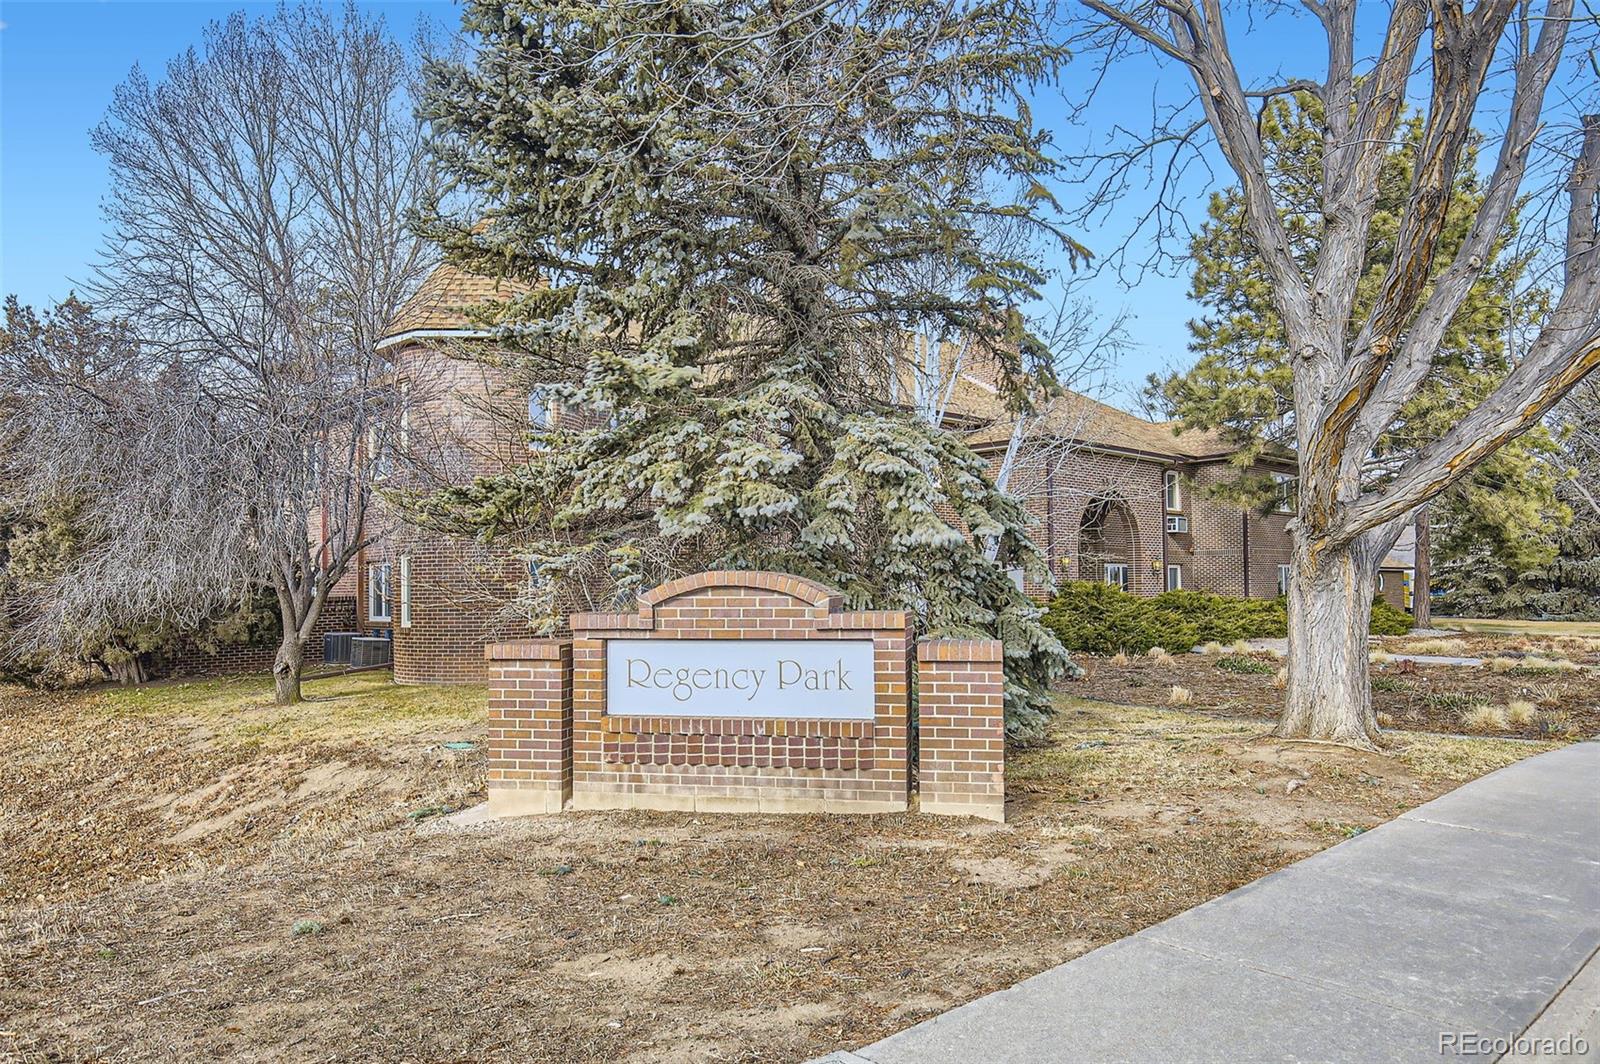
1407	695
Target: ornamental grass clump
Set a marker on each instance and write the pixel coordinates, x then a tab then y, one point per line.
1521	714
1484	718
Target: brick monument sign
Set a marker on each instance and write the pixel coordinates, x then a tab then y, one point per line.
744	691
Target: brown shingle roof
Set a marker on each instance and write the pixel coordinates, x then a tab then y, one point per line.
445	297
1095	424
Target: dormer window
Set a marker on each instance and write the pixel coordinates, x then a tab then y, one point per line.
1174	490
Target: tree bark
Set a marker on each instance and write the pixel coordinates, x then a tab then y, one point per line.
286	668
1422	575
1330	608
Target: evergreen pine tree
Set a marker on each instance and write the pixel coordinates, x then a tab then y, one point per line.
733	215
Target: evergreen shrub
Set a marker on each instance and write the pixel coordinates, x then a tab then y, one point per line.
1093	618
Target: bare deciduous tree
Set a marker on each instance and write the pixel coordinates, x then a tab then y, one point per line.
1353	370
258	245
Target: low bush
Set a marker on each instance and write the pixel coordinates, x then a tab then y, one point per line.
1103	619
1220	619
1239	663
1389	620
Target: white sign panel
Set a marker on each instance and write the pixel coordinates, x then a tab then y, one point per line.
830	679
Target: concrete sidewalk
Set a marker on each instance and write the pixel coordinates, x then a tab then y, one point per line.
1467	917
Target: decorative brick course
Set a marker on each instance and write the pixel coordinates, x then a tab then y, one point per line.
961	727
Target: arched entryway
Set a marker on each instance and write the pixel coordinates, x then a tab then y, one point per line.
1107	543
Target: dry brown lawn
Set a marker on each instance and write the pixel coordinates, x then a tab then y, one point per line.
187	873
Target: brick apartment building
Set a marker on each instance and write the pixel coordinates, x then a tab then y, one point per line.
1118	498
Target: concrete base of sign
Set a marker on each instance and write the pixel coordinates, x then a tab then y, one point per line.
989	810
722	803
525	801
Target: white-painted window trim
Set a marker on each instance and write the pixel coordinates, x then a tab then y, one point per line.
1119	575
541	416
1284	572
1174	578
405	591
1172	490
379	605
405	416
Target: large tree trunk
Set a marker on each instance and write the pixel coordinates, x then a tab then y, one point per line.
286	669
1330	607
1422	576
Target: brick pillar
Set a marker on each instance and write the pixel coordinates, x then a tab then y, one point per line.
530	727
961	727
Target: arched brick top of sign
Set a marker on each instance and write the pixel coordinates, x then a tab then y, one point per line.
823	604
808	591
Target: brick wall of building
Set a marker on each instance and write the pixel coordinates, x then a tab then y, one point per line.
464	419
1393	590
458	593
751	764
1058	500
1223	539
338	615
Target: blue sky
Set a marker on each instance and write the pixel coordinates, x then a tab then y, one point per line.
59	63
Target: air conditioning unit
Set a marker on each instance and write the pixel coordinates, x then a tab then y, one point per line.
366	652
336	647
1177	523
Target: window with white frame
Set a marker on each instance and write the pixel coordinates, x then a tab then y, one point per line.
1174	578
1284	494
378	599
1283	580
377	452
1174	490
1177	523
1380	581
1117	575
405	591
539	416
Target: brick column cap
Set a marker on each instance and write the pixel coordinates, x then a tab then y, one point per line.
960	650
528	650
